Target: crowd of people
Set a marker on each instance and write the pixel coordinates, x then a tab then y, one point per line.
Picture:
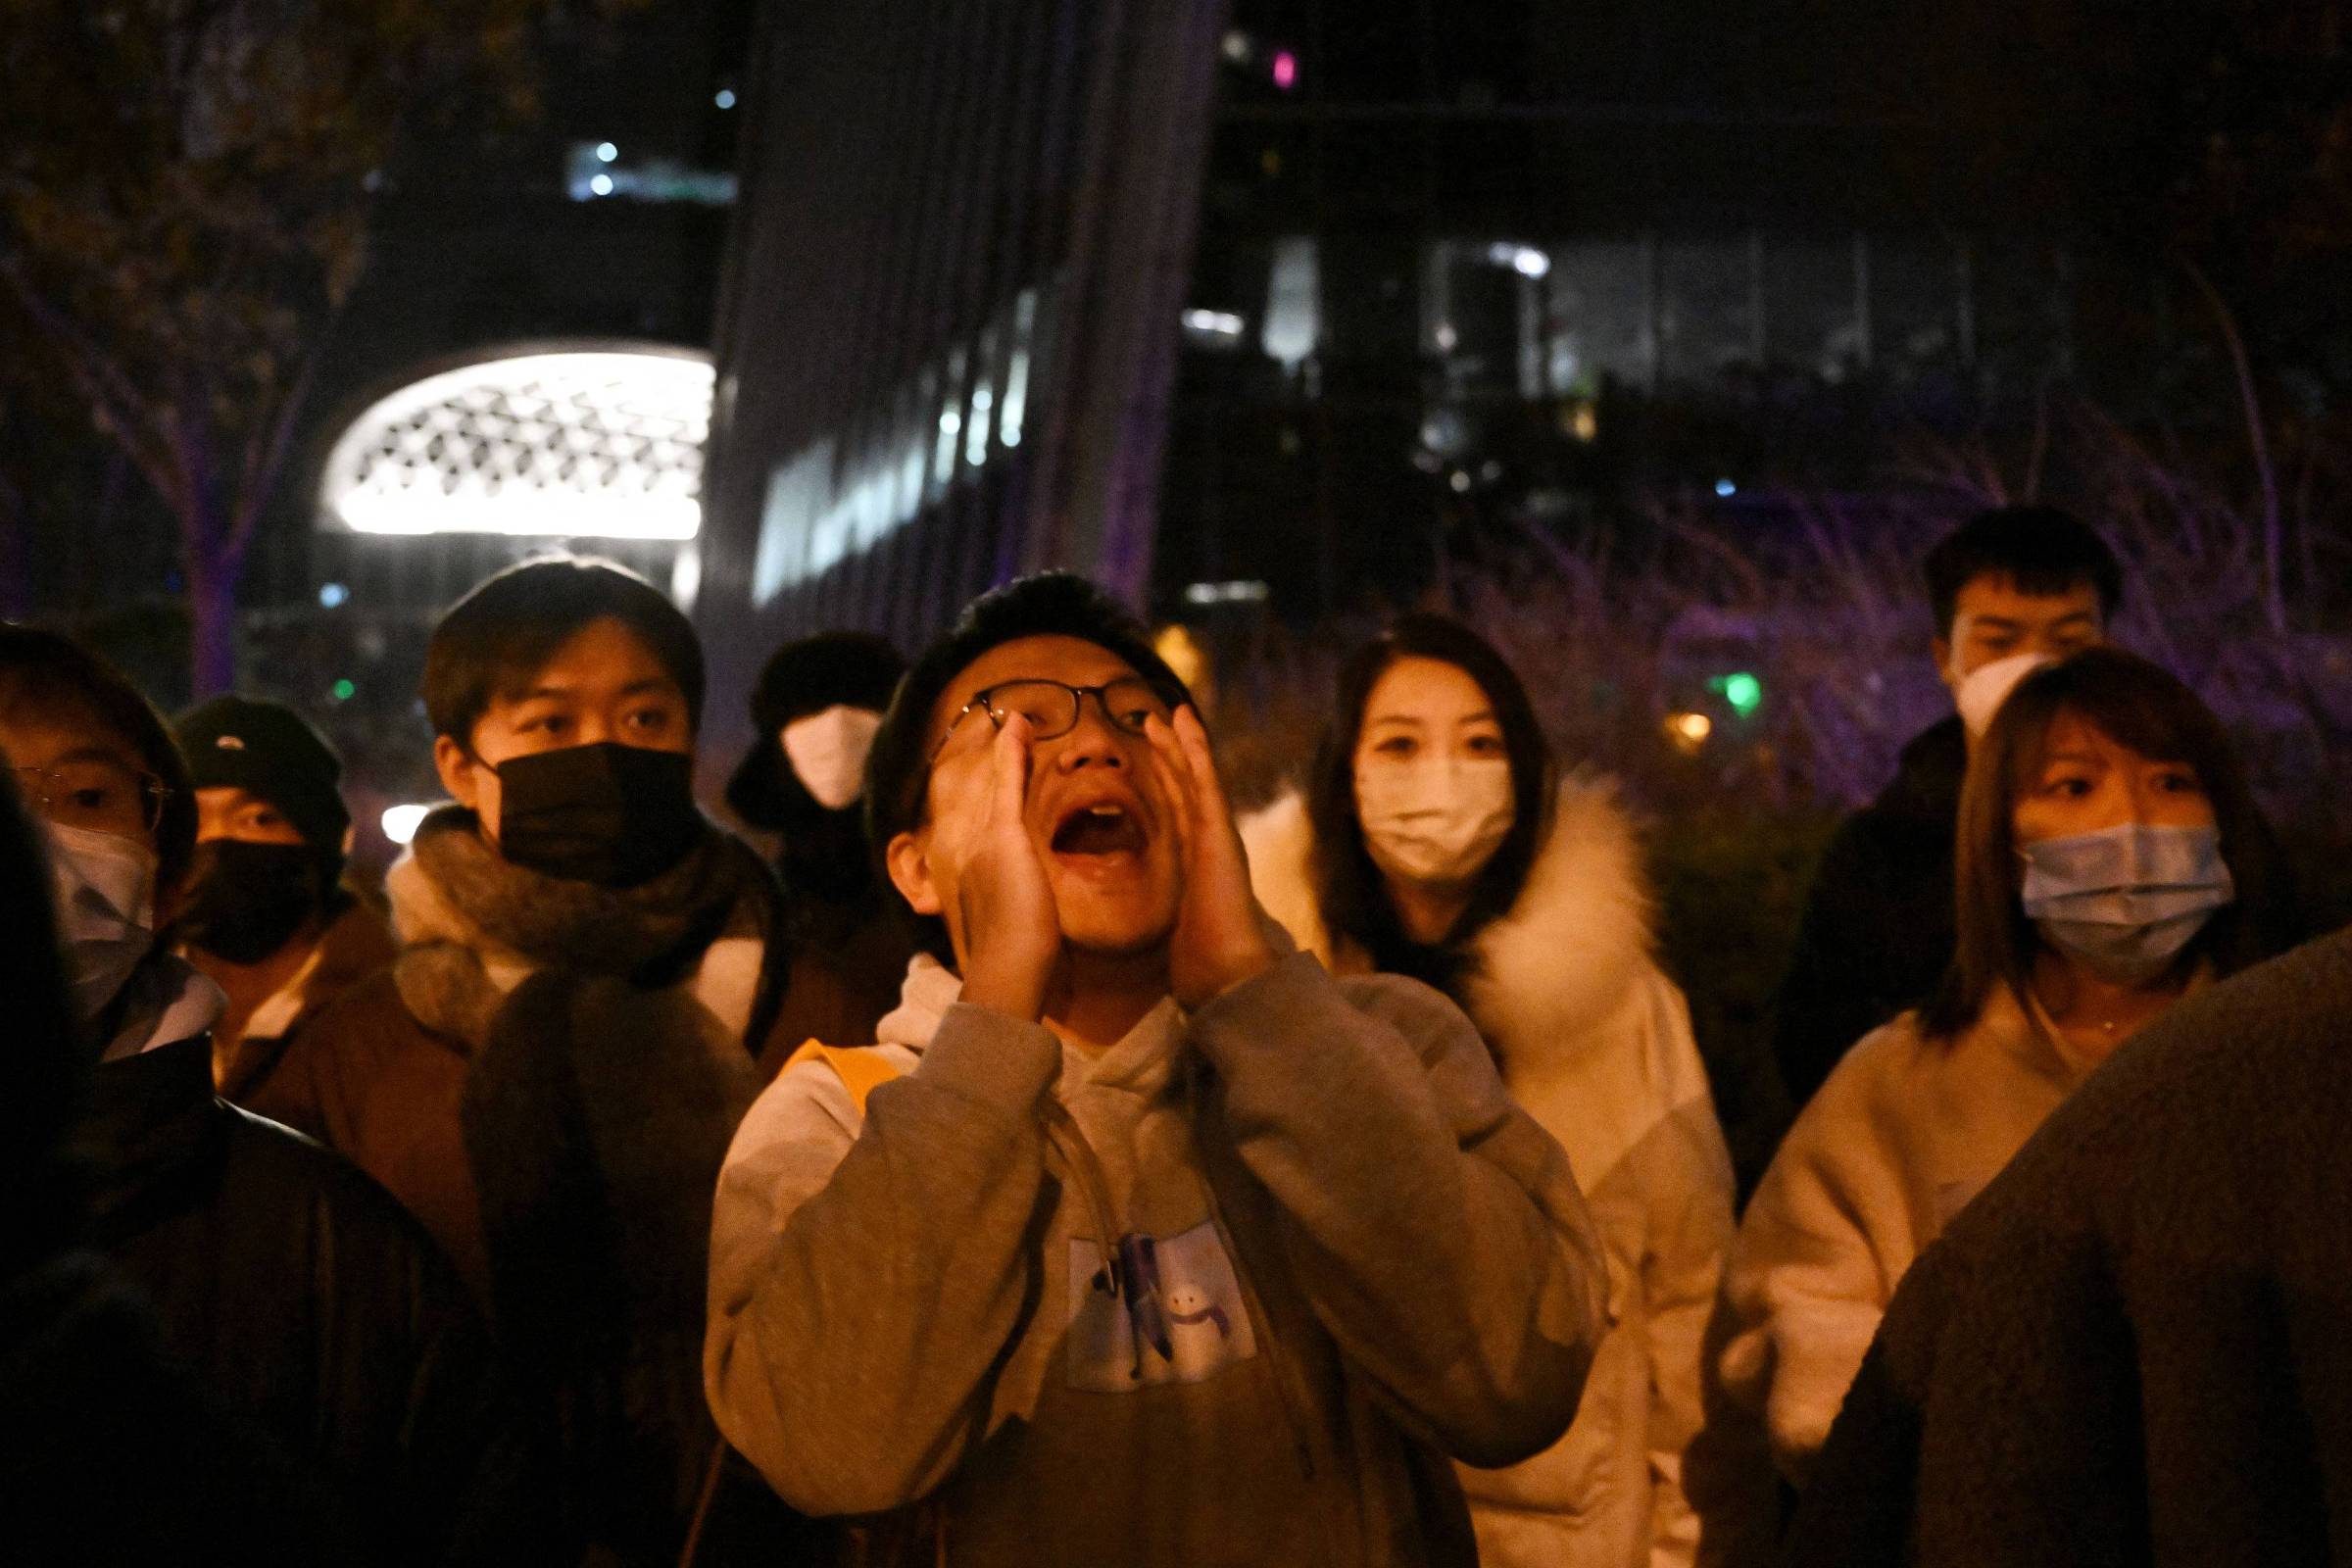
1024	1157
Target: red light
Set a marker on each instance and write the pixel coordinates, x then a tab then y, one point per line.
1286	70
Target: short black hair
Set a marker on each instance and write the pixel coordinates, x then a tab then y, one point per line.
1051	603
496	638
1351	890
49	673
2042	550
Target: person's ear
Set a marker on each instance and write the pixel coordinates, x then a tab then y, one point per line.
1942	647
908	857
461	771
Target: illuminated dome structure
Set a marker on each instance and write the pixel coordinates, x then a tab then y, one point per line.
591	441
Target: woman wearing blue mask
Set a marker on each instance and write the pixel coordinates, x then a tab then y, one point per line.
2110	861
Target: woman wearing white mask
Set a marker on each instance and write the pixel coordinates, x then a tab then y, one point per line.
2109	859
816	707
1436	841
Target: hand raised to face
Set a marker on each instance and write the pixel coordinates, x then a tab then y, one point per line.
1004	904
1222	937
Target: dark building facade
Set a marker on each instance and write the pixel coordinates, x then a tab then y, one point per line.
1467	267
946	345
1443	271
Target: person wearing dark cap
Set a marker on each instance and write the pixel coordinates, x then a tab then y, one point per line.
268	920
816	708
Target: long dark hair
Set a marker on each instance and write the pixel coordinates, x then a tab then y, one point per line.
2137	705
1349	888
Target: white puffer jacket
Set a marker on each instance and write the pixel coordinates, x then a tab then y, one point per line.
1595	1043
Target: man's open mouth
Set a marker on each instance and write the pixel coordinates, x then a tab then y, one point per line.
1103	828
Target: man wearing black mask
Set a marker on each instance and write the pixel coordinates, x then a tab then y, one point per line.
269	920
550	1072
815	710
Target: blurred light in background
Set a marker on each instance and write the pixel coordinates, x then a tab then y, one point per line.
605	152
725	98
334	596
1217	329
1525	260
1688	731
1184	653
1226	592
1742	690
1286	69
400	823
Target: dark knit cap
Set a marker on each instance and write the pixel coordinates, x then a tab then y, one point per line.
269	751
832	669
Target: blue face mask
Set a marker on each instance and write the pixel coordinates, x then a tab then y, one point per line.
2126	899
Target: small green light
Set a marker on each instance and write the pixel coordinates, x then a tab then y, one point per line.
1742	690
345	691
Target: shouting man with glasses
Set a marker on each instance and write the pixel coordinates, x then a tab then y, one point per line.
1138	1239
292	1289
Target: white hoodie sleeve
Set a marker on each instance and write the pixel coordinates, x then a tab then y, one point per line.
865	1282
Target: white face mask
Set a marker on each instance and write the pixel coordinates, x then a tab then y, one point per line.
827	750
104	891
1433	819
1987	687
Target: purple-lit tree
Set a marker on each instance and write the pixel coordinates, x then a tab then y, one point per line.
185	190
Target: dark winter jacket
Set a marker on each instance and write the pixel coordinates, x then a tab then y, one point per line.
1878	926
848	953
2136	1346
111	1452
355	945
548	1076
300	1298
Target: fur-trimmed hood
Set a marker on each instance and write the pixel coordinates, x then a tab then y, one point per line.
1546	976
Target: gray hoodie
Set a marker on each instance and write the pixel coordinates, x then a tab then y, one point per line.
1361	1257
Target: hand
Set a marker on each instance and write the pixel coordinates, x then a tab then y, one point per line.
1011	932
1222	937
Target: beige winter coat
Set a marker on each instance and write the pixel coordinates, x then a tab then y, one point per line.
1594	1044
1900	1137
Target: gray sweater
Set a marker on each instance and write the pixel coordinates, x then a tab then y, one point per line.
1367	1260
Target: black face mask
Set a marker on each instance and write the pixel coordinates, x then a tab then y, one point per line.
252	898
611	814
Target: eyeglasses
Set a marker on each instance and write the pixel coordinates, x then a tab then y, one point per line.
96	792
1051	707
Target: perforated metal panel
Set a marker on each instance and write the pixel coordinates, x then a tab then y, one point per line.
591	443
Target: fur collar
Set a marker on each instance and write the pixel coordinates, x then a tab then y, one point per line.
1547	975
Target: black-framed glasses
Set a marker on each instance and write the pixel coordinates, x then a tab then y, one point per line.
1051	707
96	792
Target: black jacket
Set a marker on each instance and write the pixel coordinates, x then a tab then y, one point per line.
302	1297
1879	923
2136	1346
109	1453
